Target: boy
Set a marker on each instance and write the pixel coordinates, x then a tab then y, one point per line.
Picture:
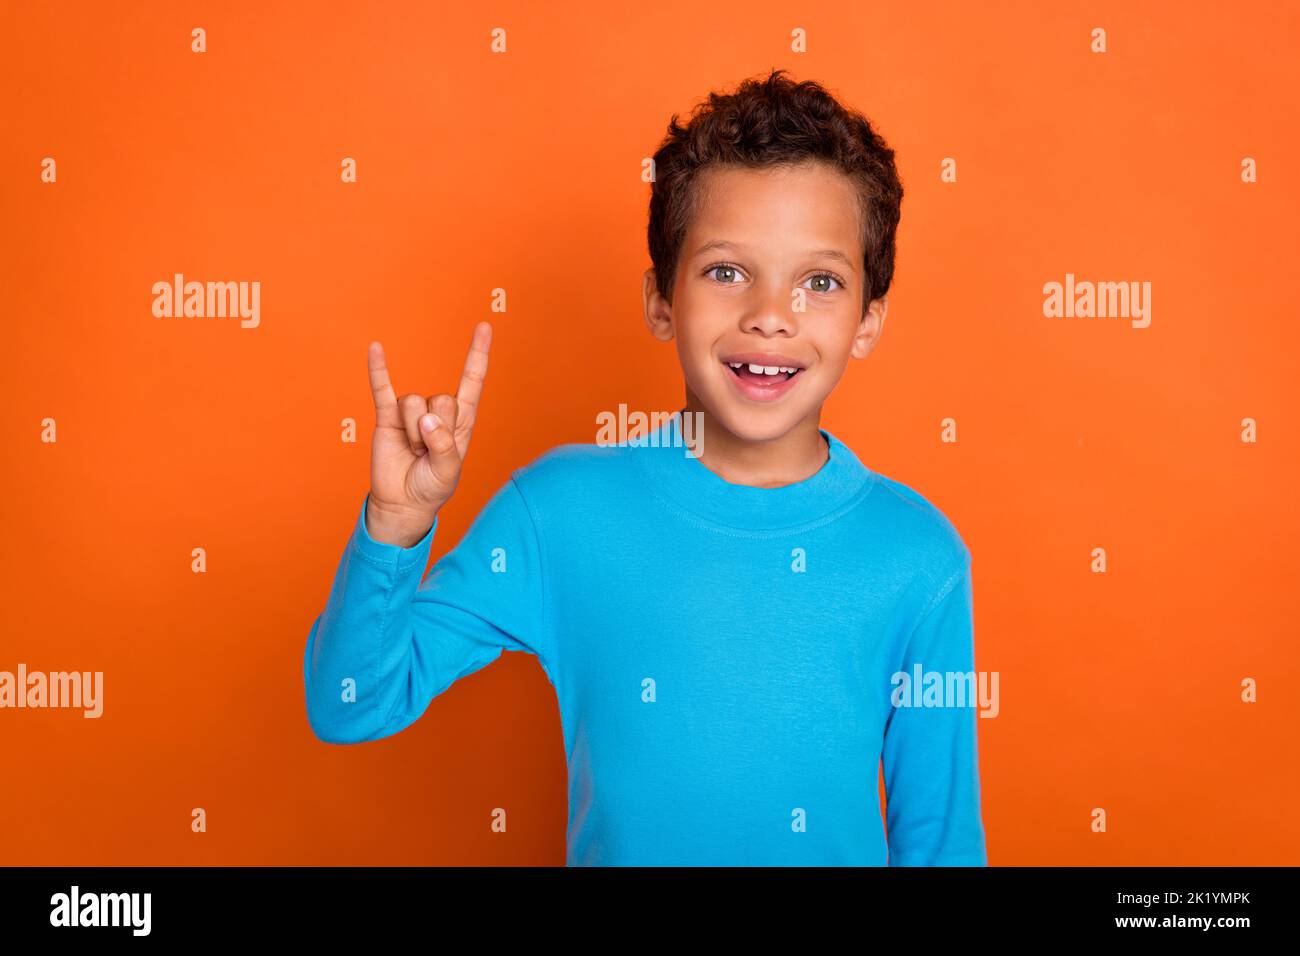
723	631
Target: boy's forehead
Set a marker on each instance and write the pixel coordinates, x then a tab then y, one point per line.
808	206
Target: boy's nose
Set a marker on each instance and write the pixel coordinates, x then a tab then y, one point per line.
773	311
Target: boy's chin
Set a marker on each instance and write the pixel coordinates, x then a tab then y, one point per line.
759	423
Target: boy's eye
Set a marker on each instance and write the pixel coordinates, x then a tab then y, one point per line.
825	277
725	269
729	275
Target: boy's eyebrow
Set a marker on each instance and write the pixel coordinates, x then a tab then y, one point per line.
724	244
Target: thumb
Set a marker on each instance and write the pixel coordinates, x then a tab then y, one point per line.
441	466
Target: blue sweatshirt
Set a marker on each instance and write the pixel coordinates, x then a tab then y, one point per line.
725	656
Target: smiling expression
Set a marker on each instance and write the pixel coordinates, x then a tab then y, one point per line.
767	299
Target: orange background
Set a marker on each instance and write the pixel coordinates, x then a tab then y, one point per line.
522	170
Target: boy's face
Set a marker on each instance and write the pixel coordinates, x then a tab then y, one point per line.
759	276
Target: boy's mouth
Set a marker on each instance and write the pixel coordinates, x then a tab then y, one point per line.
763	375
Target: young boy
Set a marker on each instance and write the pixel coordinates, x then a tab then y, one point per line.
723	632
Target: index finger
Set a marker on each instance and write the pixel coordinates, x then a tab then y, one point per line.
381	389
471	379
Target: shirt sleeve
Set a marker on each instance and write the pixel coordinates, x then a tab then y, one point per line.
387	643
930	754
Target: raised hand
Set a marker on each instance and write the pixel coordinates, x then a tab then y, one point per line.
419	446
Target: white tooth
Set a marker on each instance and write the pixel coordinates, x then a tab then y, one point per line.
756	369
770	370
734	364
790	370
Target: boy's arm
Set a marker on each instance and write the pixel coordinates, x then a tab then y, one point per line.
388	643
930	754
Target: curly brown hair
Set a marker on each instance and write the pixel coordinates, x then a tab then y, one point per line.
774	122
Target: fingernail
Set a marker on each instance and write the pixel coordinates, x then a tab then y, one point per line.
428	423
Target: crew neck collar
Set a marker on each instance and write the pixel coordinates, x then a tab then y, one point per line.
685	482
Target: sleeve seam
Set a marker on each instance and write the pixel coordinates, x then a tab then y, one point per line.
943	592
548	648
946	589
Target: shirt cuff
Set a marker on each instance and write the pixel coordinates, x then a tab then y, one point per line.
391	555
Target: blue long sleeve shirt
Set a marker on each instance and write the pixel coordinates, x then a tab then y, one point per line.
726	657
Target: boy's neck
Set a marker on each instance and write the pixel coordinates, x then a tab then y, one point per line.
798	454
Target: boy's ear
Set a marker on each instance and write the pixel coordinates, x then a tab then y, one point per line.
658	312
869	329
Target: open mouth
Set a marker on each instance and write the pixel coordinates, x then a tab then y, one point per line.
762	375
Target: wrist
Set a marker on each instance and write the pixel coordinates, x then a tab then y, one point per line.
404	530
